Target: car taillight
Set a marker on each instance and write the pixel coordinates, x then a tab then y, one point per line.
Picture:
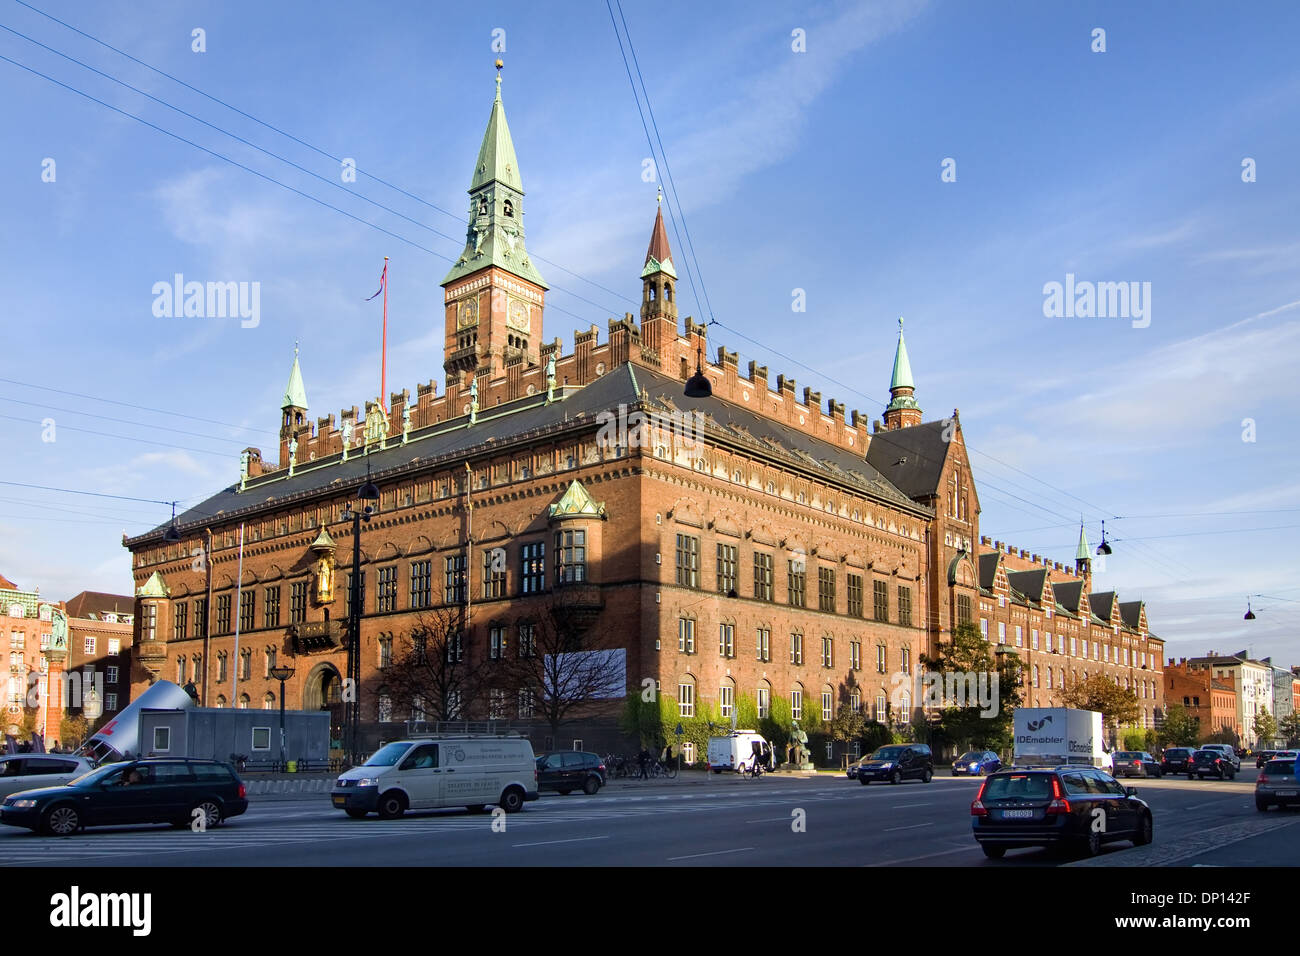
242	792
601	768
1060	806
1217	760
1263	778
1137	763
977	808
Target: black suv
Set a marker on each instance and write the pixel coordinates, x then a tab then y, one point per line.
1210	763
1071	807
896	763
162	790
1176	759
568	770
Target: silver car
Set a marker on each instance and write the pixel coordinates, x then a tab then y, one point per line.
1277	785
30	771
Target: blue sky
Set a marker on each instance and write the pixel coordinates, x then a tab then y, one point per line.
817	170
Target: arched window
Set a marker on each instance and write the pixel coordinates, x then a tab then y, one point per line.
482	207
652	293
268	702
385	707
221	700
243	702
508	208
668	291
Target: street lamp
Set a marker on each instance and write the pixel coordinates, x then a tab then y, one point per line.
282	672
352	702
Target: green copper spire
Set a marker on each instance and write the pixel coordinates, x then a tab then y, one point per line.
295	395
902	367
496	209
1083	552
901	386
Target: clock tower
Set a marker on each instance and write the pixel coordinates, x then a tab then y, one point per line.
493	295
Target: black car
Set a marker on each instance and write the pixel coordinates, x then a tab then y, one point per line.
155	790
1136	763
1210	763
1175	759
896	763
1070	807
568	770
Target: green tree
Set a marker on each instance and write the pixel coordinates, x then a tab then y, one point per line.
1289	727
1224	736
1180	729
73	730
1265	727
1098	692
968	658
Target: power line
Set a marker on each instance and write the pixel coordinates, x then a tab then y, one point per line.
93	494
132	438
120	421
142	408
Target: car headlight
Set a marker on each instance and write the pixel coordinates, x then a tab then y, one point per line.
368	782
886	766
23	804
974	766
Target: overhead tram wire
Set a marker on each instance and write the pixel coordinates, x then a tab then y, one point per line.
302	142
121	421
686	259
131	438
664	154
288	162
689	242
142	408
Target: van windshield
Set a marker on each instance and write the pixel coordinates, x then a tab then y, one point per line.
888	753
387	755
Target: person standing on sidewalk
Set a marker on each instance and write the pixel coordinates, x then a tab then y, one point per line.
643	758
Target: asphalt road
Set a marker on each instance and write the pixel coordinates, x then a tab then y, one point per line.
725	821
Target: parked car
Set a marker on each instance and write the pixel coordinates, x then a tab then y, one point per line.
1136	763
565	771
1277	784
1210	763
1229	754
896	763
154	790
423	774
1266	755
1057	807
1176	759
28	771
976	763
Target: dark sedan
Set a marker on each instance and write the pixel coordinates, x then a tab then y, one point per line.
1136	763
1074	807
977	763
184	793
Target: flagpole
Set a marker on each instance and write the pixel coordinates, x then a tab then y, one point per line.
383	361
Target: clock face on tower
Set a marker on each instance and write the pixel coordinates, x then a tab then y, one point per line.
467	313
517	315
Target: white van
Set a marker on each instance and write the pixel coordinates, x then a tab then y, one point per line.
735	751
442	771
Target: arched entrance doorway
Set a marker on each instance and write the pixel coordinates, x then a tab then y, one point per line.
324	691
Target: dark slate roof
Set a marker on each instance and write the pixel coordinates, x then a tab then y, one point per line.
1068	594
1101	603
1029	583
911	458
1130	613
93	605
529	417
988	569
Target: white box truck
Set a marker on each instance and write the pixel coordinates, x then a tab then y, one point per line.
1058	735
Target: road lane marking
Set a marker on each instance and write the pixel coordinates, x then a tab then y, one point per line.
552	842
771	820
908	806
915	826
692	856
924	856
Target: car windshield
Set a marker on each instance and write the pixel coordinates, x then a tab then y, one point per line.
387	755
1019	786
98	775
888	753
970	756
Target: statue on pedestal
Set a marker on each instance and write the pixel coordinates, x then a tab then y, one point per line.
550	378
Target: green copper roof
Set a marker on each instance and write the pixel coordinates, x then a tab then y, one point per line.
902	377
496	157
155	587
1082	553
323	542
576	501
496	208
295	394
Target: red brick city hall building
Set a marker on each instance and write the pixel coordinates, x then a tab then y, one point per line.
753	544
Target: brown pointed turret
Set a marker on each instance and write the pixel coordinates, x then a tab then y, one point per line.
658	291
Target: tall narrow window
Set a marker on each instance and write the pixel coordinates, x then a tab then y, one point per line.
855	595
727	640
904	605
688	561
764	644
826	589
453	579
532	570
223	613
178	622
796	648
762	576
271	607
571	557
494	573
880	604
421	584
726	568
797	577
246	610
686	635
497	643
963	609
297	602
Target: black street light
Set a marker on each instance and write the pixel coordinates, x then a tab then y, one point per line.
173	533
282	672
352	685
1104	547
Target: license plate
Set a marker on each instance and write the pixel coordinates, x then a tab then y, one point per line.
340	801
1286	793
1017	814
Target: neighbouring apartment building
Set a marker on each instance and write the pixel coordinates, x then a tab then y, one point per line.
1210	701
